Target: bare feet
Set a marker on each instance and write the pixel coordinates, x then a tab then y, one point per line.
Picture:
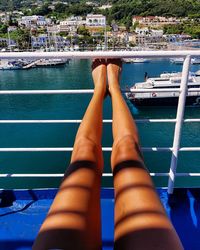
99	76
114	68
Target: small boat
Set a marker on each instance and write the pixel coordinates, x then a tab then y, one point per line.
10	65
135	60
181	60
195	61
177	60
50	62
165	81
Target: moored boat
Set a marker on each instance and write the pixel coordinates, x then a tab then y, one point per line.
164	82
181	60
50	62
136	60
10	65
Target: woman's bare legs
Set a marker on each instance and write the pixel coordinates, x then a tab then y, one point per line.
73	221
140	219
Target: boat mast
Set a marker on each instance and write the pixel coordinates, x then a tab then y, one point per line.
106	40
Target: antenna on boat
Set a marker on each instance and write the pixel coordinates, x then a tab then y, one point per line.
9	43
145	76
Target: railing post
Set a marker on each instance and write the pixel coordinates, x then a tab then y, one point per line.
179	122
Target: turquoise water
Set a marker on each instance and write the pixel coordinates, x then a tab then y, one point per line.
76	75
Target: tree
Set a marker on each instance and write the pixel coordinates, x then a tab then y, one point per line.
3	28
128	23
43	11
22	37
83	31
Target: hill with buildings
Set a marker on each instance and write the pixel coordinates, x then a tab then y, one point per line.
127	22
118	9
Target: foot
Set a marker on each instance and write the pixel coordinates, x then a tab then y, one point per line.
114	68
99	76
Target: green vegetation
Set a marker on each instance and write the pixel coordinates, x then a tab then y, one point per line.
121	9
21	36
191	28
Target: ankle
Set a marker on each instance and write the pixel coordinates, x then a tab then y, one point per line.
114	88
99	91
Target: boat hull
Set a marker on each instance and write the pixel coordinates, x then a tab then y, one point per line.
51	65
167	101
14	68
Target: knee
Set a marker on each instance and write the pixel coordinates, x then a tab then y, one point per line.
126	148
84	149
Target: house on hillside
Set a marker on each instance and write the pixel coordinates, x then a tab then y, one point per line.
95	20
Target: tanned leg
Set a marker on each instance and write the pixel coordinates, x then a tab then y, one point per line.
140	220
73	221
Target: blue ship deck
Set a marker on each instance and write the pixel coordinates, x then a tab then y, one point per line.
22	212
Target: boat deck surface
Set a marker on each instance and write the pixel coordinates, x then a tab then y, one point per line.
22	212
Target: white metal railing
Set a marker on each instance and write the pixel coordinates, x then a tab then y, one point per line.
175	149
83	91
98	54
179	122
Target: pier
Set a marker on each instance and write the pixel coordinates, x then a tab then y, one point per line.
32	64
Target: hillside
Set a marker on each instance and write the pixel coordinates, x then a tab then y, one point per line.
121	9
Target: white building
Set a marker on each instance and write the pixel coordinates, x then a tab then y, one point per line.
12	28
53	29
156	33
149	32
155	20
95	20
105	6
4	17
146	35
89	3
142	31
73	21
34	20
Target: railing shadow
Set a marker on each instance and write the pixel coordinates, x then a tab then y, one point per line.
7	198
185	216
15	244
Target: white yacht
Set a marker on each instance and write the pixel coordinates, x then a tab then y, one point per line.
165	81
50	62
181	60
135	60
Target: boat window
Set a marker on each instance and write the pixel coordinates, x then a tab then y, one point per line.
176	80
166	87
193	86
159	80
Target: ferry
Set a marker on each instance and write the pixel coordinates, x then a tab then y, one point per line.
165	81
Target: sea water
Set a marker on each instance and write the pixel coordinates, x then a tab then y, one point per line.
77	75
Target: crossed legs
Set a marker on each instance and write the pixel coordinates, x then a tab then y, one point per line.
73	221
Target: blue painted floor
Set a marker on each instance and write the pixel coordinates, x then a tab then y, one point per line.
22	212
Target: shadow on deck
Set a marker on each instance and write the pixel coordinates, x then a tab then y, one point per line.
22	212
